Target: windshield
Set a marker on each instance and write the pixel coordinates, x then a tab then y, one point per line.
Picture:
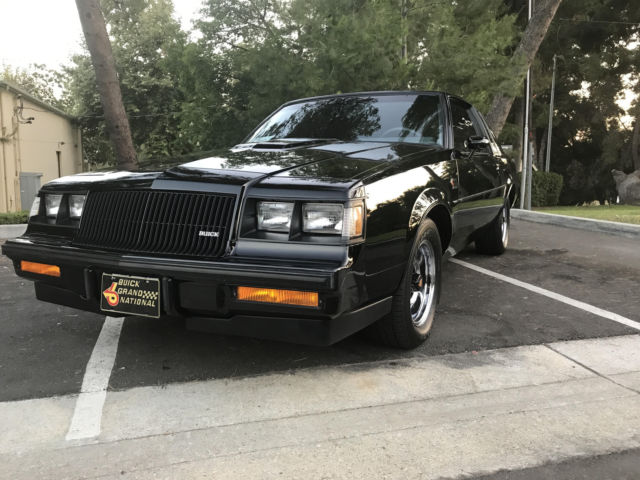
384	118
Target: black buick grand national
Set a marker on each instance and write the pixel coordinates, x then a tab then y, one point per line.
333	215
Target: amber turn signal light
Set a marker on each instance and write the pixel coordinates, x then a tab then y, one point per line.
355	221
41	268
271	295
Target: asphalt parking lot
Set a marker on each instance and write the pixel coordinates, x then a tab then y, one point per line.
44	351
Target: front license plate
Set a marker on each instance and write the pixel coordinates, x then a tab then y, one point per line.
130	295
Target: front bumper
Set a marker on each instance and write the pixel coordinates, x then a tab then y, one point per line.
203	292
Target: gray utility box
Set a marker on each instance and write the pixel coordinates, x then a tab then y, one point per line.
29	188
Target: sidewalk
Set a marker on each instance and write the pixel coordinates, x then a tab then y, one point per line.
423	418
12	231
581	223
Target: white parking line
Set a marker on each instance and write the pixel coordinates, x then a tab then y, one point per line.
556	296
87	415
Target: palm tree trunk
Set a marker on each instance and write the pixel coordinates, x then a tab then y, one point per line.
95	33
527	49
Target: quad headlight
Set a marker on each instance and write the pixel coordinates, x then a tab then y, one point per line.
312	218
275	216
59	207
333	218
323	218
76	205
52	204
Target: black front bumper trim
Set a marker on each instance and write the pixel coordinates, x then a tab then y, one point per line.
298	330
344	309
233	272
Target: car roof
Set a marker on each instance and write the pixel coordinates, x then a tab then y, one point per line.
374	93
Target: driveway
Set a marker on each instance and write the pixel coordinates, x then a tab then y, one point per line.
533	368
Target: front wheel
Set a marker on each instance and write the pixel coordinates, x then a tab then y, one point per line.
414	303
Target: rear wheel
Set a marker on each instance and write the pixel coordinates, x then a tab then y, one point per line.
494	238
414	303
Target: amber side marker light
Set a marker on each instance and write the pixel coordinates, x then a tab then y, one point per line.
41	268
271	295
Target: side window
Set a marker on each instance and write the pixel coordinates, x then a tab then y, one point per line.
464	124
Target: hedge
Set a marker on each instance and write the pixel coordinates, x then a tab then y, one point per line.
545	189
12	218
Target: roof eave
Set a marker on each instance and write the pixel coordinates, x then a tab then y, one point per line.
19	91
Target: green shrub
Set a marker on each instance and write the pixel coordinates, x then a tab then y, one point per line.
12	218
545	188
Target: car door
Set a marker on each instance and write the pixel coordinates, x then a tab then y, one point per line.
480	170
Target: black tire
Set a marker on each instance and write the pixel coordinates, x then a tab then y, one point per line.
399	329
492	239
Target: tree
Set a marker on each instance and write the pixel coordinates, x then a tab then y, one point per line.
154	61
40	81
184	96
635	144
595	39
527	49
95	32
273	51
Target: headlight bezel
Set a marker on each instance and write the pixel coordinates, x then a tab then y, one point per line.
350	232
36	206
62	217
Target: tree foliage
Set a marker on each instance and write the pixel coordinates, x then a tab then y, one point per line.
40	81
595	42
107	82
187	93
328	46
147	45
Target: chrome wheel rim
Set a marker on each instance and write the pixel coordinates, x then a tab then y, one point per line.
504	228
423	284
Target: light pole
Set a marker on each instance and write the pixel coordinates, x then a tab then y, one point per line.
547	163
525	184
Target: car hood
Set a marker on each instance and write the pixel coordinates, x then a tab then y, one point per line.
298	160
329	161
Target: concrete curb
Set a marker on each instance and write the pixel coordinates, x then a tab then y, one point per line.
12	231
612	228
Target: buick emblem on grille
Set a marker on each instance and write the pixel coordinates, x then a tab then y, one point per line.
203	233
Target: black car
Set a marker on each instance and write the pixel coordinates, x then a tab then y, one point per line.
333	215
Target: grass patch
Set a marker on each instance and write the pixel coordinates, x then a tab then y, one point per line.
14	217
612	213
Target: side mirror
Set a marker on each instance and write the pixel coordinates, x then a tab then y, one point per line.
476	141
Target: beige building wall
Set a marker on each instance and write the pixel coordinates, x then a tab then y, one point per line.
9	168
50	145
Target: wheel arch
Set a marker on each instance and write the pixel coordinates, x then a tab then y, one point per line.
512	194
431	204
442	218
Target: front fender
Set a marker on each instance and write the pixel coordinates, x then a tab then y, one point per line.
425	202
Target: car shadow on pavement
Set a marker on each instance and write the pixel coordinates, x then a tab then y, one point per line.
475	313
